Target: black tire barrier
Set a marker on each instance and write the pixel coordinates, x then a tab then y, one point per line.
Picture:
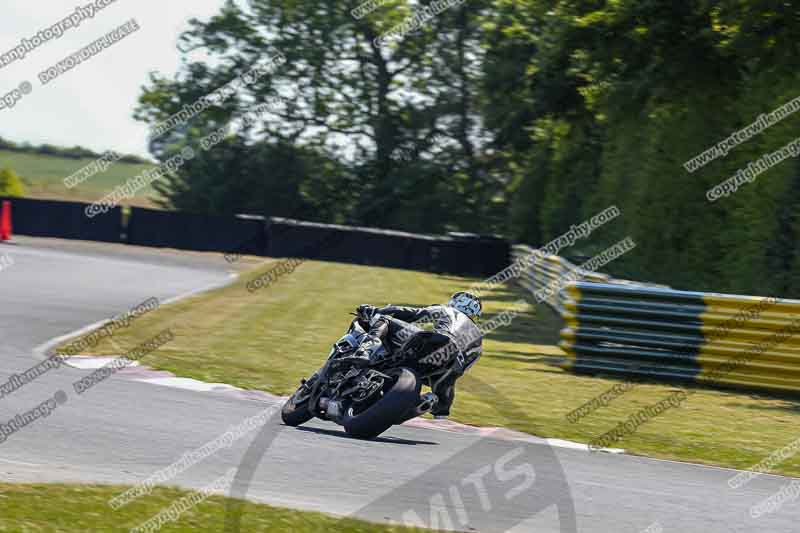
459	254
202	233
452	254
64	220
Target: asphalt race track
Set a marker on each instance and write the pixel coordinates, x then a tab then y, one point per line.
125	429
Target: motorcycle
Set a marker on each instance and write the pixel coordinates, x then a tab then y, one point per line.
368	399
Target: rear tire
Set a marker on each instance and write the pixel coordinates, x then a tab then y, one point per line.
294	414
386	412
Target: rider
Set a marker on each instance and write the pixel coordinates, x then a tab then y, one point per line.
456	336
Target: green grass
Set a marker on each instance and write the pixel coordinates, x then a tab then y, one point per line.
270	339
43	177
81	508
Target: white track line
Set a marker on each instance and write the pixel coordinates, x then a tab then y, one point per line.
41	351
21	463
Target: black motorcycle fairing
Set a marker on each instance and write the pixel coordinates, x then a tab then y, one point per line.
343	388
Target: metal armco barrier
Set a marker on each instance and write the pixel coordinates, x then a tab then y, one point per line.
707	338
550	272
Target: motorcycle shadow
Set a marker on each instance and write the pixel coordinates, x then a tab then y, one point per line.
385	440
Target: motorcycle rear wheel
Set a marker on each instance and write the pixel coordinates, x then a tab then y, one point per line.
398	399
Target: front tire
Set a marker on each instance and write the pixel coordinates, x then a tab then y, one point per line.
402	396
296	409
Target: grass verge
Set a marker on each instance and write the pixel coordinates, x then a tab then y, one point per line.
78	508
44	175
269	339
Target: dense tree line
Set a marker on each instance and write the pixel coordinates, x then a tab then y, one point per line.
76	152
519	117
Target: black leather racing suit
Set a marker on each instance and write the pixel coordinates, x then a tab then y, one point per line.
396	327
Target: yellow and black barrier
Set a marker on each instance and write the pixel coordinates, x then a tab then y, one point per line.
707	338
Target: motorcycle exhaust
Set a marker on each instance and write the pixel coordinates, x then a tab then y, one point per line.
427	403
332	408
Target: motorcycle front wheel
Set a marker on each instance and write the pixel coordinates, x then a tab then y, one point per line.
296	409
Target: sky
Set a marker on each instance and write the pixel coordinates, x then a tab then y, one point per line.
92	104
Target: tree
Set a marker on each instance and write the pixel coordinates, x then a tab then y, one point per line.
271	179
601	103
346	97
10	183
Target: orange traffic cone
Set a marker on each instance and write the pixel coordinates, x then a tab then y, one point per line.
5	221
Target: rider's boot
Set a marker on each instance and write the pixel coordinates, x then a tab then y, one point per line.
370	353
445	392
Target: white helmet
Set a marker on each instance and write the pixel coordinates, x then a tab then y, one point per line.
467	303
